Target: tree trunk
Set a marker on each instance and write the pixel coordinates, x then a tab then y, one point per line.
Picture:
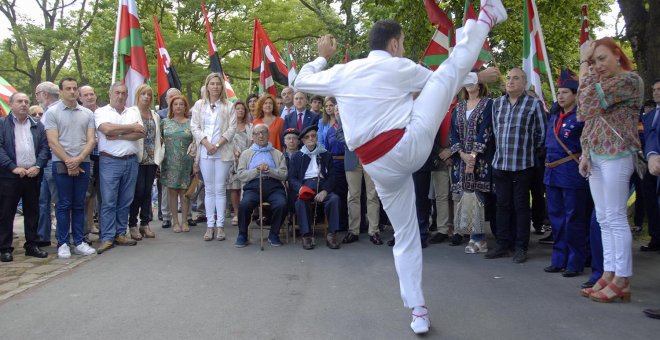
642	18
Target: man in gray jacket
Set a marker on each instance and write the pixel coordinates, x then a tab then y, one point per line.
261	159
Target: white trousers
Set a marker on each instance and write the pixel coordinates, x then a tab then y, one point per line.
609	183
215	172
392	173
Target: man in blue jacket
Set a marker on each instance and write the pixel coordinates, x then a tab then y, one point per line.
23	152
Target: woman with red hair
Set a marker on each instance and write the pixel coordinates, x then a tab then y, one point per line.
609	101
265	113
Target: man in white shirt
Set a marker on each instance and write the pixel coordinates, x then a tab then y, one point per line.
391	133
119	130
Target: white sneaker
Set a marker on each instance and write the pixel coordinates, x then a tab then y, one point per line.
63	252
421	322
492	12
84	249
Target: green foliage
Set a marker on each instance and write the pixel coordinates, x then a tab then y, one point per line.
297	22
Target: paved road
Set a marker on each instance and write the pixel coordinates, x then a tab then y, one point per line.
178	286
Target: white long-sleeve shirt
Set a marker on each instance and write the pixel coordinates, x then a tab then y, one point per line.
374	94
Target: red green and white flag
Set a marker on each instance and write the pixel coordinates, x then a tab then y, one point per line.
486	53
6	91
290	64
534	54
442	42
214	57
133	67
347	57
584	32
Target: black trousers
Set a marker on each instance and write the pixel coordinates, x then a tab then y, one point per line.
142	200
11	191
512	194
422	182
539	206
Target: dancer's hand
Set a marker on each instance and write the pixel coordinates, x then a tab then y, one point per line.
489	75
327	46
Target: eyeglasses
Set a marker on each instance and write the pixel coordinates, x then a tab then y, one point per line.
260	133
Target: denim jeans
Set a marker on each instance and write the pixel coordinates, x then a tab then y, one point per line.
70	211
47	194
118	177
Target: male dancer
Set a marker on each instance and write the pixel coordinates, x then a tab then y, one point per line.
391	133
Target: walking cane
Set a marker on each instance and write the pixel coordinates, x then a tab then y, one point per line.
261	213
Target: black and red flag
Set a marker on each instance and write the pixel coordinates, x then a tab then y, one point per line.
264	50
165	72
216	66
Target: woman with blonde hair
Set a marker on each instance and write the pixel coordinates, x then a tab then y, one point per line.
266	113
149	162
177	163
214	126
36	112
242	141
609	100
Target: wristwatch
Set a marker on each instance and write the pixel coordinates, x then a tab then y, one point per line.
38	167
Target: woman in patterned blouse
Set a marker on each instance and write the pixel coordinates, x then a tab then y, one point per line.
609	100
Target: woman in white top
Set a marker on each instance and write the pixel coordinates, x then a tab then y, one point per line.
214	126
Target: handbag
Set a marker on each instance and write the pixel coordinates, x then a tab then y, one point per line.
639	161
192	150
192	187
469	215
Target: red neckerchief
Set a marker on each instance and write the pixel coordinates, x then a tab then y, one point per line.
560	120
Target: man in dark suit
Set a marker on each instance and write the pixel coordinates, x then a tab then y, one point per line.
23	153
649	181
302	117
311	168
652	152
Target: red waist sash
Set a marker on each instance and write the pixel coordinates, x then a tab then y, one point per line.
379	146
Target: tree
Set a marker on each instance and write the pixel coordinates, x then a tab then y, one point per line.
641	18
42	52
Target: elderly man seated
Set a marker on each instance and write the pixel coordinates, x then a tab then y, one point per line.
310	176
261	159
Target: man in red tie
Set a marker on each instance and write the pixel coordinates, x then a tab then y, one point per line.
301	117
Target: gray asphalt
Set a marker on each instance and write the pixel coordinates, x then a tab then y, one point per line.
179	287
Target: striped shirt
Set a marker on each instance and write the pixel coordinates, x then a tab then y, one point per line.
519	131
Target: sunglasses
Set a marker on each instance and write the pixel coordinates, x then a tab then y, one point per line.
37	114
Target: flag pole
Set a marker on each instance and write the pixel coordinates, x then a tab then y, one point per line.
545	53
115	53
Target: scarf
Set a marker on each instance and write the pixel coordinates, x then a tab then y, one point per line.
318	150
256	148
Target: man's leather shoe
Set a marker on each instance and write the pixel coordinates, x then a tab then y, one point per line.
652	313
122	240
547	240
456	240
650	247
331	241
307	243
570	273
375	239
438	238
350	238
105	246
192	222
424	243
200	219
35	251
552	269
391	242
497	252
6	257
167	224
587	284
43	243
520	256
